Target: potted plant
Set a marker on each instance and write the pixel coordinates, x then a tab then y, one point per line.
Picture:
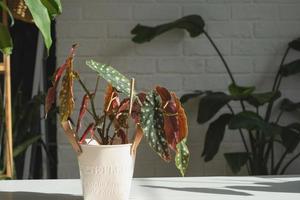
106	148
260	129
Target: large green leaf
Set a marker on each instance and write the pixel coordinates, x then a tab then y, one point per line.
290	136
240	91
182	156
152	123
236	160
295	44
259	99
210	104
24	145
248	120
115	78
184	98
291	68
194	24
214	136
288	106
53	6
6	44
41	19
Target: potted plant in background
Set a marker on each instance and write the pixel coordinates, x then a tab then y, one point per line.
259	131
106	148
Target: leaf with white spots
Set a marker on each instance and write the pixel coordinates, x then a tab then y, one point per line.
114	77
182	156
152	123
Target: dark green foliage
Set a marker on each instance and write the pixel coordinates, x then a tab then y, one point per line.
194	24
260	99
210	104
214	136
288	105
291	68
239	91
258	128
236	160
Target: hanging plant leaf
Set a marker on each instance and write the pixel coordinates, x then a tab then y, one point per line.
182	156
6	44
290	136
184	98
239	91
152	123
83	108
291	68
53	6
210	104
236	160
214	136
259	99
194	24
295	44
247	120
115	78
289	106
41	19
182	119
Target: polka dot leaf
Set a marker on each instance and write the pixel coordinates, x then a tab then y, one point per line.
182	156
114	77
152	123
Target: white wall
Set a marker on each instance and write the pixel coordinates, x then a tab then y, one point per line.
252	34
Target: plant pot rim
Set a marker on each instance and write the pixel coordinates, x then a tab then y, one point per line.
106	146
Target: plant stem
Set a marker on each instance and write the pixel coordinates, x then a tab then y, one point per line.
220	55
90	96
243	139
277	167
290	162
279	116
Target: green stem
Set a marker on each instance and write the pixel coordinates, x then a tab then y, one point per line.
221	56
290	162
277	167
279	116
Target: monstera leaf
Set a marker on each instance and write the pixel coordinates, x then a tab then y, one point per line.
290	136
118	80
184	98
152	123
182	156
288	106
236	160
194	24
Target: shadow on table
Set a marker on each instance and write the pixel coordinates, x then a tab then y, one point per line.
37	196
288	187
202	190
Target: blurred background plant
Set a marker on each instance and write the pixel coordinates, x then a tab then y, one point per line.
30	39
260	129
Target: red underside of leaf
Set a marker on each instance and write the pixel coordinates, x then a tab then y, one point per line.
171	125
90	129
84	105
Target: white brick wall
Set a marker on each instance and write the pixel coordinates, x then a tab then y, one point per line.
251	34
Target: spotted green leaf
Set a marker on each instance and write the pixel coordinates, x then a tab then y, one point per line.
182	156
118	80
152	123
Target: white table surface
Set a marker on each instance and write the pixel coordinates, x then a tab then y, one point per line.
191	188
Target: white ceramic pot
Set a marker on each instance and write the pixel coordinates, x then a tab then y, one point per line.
106	171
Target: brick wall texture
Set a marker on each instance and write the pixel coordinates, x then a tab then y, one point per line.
251	34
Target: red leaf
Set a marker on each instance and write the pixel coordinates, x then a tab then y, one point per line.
90	129
50	99
84	105
182	119
136	107
111	99
164	94
121	133
171	125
